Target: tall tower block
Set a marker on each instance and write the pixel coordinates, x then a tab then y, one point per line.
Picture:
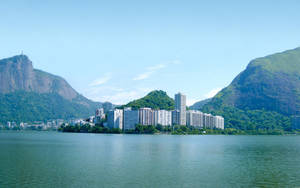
180	105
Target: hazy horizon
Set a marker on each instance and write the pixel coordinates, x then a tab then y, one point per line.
119	51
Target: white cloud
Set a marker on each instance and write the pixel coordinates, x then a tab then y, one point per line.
143	76
156	67
116	95
106	77
98	90
175	62
127	96
212	93
151	70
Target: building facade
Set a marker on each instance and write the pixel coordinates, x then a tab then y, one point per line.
180	105
219	122
99	115
127	119
194	118
175	117
146	116
162	117
115	119
211	122
131	118
208	121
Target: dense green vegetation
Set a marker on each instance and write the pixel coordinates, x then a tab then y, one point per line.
264	96
30	106
31	128
140	129
269	83
251	120
184	130
174	130
88	129
156	100
287	62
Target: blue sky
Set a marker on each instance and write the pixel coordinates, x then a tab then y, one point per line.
120	50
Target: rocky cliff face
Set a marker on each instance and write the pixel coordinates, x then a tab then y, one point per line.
17	73
28	94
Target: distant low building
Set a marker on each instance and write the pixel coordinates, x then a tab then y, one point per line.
91	119
77	122
99	115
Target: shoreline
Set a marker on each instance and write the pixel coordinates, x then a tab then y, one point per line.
160	133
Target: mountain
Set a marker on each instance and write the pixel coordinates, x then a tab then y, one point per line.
200	104
269	85
17	73
156	100
28	94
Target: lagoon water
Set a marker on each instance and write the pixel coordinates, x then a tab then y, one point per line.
51	159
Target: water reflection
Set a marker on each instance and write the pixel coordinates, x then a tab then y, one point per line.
95	160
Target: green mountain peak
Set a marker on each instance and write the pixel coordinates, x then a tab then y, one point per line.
157	99
285	62
264	95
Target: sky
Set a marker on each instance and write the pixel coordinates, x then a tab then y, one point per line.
118	51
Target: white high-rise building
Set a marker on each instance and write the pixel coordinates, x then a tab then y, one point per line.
115	119
211	121
146	116
162	117
194	118
180	105
131	118
219	122
208	120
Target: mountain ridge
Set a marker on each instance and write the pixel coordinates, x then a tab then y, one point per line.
198	105
269	85
20	84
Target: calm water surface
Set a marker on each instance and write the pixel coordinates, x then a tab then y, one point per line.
50	159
